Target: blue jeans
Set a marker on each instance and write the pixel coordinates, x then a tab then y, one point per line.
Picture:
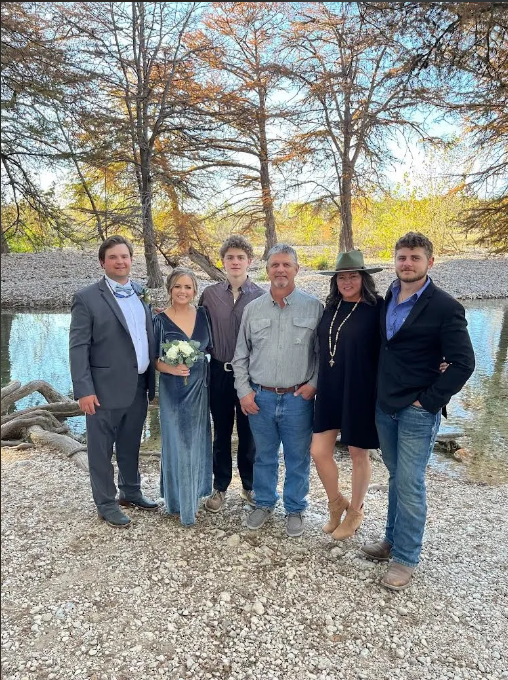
407	439
286	419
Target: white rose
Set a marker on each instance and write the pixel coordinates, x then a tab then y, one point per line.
172	352
186	349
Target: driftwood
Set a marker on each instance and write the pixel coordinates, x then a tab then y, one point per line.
59	409
206	264
68	445
40	424
17	445
14	391
18	427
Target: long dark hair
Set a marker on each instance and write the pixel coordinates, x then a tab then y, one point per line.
369	293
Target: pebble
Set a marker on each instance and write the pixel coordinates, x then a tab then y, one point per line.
258	608
60	273
78	583
234	541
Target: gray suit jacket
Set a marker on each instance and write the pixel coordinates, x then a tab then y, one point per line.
102	355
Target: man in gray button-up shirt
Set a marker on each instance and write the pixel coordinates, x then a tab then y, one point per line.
275	366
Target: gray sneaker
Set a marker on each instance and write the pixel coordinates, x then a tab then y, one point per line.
248	497
294	524
215	502
258	517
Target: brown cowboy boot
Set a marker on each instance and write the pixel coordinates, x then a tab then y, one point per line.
336	509
398	576
351	523
380	551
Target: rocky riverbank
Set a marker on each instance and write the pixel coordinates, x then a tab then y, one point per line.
84	601
48	280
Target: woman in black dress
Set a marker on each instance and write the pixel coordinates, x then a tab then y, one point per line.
349	343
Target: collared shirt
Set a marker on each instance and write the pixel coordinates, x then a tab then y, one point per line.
226	314
277	346
135	317
397	313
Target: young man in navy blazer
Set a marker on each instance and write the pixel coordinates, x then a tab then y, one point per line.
421	326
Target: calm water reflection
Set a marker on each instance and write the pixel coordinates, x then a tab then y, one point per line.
35	346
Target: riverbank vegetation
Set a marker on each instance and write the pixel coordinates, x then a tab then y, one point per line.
180	123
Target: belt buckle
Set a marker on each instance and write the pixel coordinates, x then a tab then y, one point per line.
230	369
282	390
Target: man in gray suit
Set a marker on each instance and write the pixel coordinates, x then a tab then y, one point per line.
112	352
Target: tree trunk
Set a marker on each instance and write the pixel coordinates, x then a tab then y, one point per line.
206	265
346	213
5	340
266	191
153	270
4	245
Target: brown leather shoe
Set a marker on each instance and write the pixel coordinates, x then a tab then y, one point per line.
380	551
397	577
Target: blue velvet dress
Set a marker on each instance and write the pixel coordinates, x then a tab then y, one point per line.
186	456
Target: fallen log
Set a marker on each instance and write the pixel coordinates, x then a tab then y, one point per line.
11	443
68	445
17	446
10	395
60	409
18	427
206	264
9	389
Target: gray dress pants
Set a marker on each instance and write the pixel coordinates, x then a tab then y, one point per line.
123	428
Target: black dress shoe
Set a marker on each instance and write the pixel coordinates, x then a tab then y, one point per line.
115	518
140	502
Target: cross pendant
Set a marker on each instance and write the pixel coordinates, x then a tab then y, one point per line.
331	362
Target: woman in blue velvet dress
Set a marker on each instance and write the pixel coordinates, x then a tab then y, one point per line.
186	456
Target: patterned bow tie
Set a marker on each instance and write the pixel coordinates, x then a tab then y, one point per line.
123	291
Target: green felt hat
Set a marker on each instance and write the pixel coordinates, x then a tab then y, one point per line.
352	261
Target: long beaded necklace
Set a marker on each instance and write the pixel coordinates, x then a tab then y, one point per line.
332	351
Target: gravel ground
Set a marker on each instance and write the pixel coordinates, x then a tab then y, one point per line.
83	600
49	279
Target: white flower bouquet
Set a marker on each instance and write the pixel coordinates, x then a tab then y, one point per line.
179	352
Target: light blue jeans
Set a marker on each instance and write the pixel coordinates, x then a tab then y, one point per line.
406	438
286	419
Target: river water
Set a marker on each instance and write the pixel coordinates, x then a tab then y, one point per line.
35	346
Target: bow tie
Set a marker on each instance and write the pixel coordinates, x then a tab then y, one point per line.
123	291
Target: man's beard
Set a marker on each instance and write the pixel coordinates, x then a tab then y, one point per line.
415	277
280	283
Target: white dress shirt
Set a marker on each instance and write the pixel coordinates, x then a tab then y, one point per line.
135	316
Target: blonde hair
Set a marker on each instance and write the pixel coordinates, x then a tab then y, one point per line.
176	274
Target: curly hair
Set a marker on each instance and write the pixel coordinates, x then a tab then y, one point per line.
239	242
415	239
369	293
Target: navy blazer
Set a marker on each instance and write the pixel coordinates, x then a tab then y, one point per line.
102	355
436	328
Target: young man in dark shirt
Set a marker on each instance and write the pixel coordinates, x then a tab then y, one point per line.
225	303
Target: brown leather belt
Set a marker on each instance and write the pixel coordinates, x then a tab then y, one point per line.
281	390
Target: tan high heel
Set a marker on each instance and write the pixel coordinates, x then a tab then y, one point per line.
336	509
351	523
